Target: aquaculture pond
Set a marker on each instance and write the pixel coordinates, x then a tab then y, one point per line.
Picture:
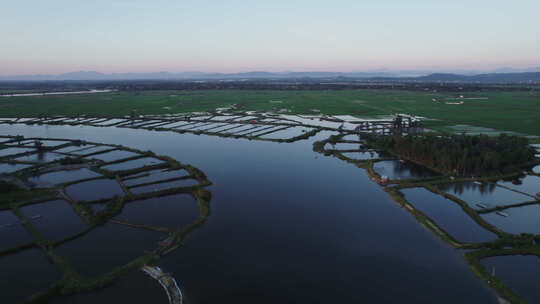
399	169
164	185
13	151
9	168
286	225
524	219
145	291
113	155
54	220
361	155
343	146
169	211
484	195
94	190
529	184
519	272
107	247
153	176
131	164
53	178
12	232
41	157
448	215
25	273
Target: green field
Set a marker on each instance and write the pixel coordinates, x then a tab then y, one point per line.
503	111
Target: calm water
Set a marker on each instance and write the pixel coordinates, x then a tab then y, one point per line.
132	164
343	146
24	274
361	155
287	225
113	155
41	157
519	220
13	151
165	185
448	215
397	169
12	232
84	150
50	179
520	273
146	291
94	190
56	221
107	247
9	168
485	194
173	212
529	184
154	175
56	93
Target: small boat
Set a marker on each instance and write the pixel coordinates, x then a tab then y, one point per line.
478	183
503	214
481	206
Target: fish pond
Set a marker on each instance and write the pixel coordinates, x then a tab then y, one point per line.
484	195
529	184
519	272
285	224
516	220
399	169
448	215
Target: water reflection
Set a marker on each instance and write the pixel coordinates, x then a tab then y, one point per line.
484	195
520	273
128	230
529	184
399	169
448	215
460	188
291	228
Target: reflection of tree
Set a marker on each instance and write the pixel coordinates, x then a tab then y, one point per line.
41	155
459	188
460	154
516	180
411	168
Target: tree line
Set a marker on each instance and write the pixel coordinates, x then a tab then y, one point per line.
460	155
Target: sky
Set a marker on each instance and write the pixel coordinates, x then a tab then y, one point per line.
57	36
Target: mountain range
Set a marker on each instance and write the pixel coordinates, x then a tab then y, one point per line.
499	75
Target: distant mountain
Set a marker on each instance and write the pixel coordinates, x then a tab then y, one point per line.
514	70
505	75
484	78
92	75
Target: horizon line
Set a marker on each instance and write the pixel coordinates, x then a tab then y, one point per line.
509	69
